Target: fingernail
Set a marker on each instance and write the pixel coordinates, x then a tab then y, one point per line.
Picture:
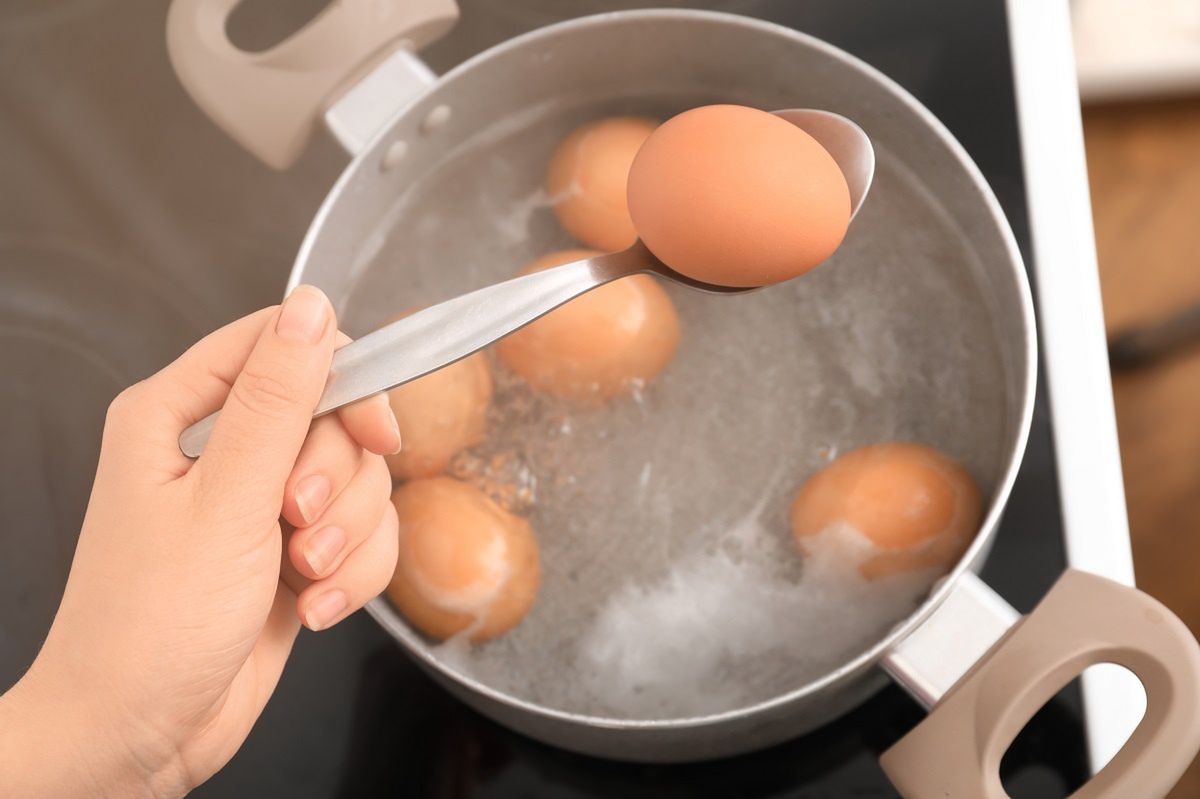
396	430
325	609
304	316
311	495
323	547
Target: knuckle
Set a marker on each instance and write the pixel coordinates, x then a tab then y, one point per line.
376	469
124	406
376	489
389	547
381	575
266	391
375	559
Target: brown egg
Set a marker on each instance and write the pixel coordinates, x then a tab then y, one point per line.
587	176
736	196
917	507
439	415
463	562
597	345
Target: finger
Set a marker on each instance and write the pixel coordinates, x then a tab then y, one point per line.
274	644
158	408
317	551
288	576
327	462
371	422
267	414
362	576
197	382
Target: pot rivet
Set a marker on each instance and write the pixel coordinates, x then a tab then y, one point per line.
435	119
394	155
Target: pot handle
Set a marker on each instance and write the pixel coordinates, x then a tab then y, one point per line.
269	101
1084	620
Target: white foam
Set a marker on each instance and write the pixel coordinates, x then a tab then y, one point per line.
677	646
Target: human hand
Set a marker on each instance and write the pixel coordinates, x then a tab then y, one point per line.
186	591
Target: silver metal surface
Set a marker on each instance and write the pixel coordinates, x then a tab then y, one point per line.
846	142
363	110
929	662
437	336
696	57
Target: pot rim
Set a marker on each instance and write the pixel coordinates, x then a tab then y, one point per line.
387	618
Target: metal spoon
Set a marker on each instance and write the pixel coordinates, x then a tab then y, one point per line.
442	334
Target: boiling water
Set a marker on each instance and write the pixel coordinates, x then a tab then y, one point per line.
671	586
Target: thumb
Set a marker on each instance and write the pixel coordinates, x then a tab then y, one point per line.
260	430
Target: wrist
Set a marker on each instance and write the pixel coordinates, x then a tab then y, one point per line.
58	743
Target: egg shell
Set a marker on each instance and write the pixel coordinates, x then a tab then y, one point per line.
586	180
918	507
439	415
463	563
738	197
597	345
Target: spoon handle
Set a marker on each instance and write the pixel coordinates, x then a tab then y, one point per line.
441	334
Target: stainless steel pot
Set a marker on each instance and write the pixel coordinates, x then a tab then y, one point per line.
964	651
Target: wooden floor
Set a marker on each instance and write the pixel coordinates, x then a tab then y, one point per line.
1144	165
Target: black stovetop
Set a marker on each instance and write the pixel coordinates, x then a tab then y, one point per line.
353	716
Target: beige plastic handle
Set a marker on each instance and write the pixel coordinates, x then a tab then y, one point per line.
269	101
1083	620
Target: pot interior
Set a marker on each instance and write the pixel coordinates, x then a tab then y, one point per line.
671	586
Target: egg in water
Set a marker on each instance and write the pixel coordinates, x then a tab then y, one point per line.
586	180
439	415
601	344
916	507
464	564
736	196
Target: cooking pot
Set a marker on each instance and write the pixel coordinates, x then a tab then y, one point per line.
418	141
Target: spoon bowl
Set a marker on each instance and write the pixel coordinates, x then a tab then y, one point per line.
441	334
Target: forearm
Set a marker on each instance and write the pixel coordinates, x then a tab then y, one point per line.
49	746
